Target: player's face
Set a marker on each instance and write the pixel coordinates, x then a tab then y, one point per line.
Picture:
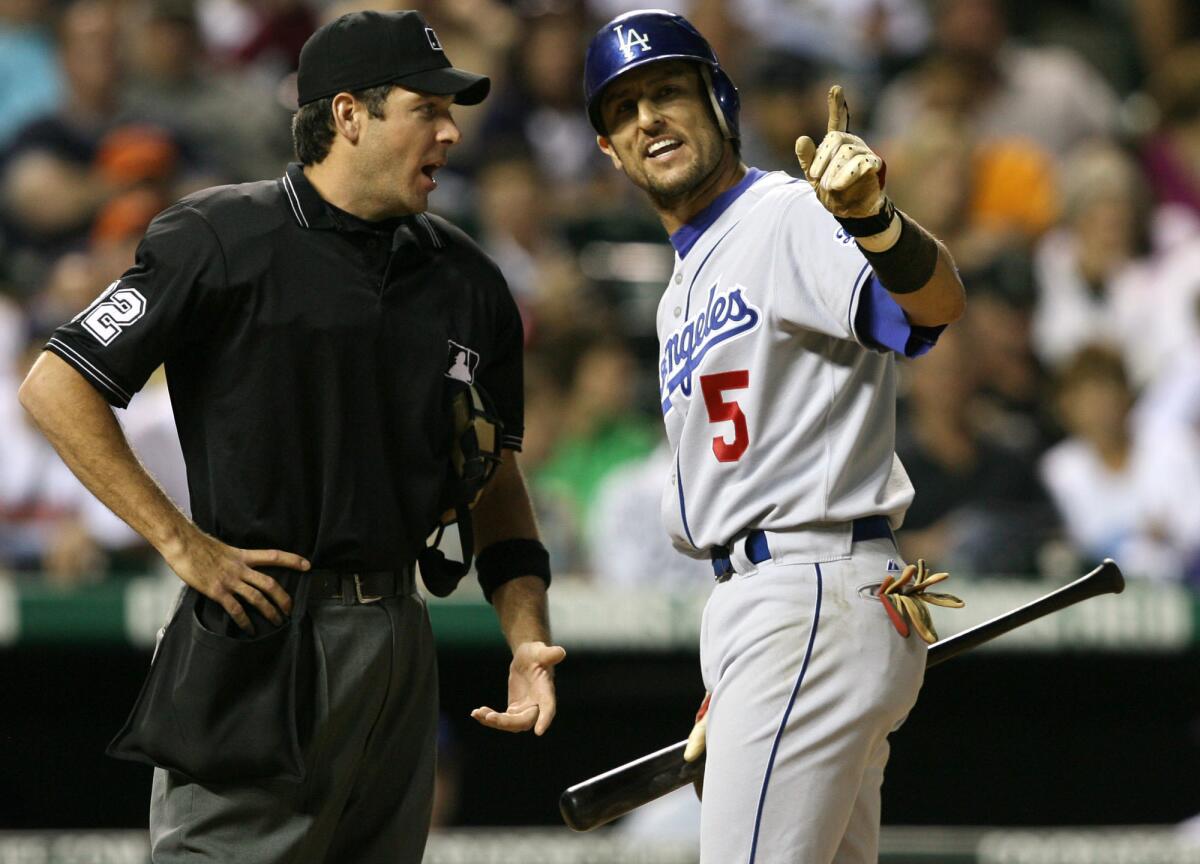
661	130
401	151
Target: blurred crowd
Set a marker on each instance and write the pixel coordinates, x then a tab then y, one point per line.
1054	147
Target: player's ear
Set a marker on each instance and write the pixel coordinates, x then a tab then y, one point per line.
347	116
607	149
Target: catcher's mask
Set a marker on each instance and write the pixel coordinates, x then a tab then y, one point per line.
475	455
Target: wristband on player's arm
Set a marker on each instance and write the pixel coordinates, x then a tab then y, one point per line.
908	264
506	560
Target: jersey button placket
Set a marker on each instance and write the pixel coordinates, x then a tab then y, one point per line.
382	250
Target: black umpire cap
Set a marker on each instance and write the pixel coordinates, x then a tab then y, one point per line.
366	49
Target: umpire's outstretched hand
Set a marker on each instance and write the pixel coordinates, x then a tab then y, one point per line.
845	173
531	701
226	575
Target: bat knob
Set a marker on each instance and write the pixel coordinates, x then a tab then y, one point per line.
1109	574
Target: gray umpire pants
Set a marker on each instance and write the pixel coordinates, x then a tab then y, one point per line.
368	789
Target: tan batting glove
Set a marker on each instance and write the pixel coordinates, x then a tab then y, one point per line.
695	741
845	173
905	600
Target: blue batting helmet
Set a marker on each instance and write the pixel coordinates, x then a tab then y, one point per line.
647	36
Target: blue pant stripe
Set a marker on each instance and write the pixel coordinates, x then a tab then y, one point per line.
762	795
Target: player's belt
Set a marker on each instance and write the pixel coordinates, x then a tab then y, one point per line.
758	550
352	589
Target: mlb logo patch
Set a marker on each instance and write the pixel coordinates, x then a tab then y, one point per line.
461	362
433	40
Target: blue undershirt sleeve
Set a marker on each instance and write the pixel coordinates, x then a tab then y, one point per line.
880	323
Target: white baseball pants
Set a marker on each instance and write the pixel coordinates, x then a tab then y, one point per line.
808	678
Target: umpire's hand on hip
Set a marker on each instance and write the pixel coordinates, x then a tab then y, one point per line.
845	173
226	575
531	700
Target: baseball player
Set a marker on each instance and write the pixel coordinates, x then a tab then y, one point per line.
311	327
776	373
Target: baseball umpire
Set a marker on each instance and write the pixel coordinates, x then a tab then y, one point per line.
309	326
777	332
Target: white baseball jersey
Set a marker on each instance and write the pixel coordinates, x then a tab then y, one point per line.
776	372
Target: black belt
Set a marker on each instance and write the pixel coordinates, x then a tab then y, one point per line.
757	550
351	589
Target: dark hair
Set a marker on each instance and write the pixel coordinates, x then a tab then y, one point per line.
1093	363
312	125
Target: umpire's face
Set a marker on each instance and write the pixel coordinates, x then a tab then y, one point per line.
397	155
661	130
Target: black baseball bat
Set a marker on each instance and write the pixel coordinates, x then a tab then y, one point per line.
602	798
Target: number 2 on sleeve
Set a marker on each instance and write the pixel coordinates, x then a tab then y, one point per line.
719	411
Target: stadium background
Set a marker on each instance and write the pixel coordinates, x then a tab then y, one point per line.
1054	146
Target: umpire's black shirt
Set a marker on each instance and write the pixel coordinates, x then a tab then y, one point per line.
306	354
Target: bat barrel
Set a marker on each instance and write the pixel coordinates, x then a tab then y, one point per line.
598	801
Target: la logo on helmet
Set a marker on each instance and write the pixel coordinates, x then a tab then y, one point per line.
627	41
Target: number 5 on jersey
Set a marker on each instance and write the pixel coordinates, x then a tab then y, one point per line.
720	410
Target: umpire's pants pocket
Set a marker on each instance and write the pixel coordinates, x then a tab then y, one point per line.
219	708
235	701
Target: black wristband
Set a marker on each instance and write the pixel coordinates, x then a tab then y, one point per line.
506	560
910	263
868	226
